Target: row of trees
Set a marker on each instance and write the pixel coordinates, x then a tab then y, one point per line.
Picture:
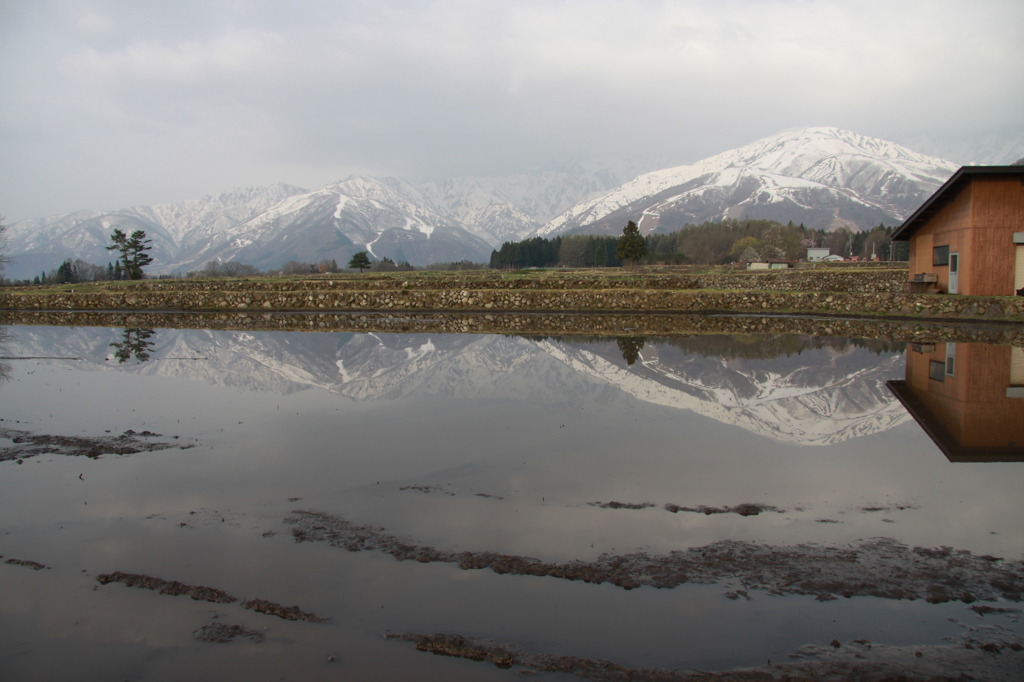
576	251
729	241
78	270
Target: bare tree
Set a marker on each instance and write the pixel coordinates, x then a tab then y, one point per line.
4	258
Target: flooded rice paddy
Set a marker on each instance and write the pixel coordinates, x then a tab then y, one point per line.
205	504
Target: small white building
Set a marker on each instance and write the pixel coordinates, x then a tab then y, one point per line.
816	254
769	265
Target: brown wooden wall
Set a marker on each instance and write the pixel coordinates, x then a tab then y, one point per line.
979	224
972	404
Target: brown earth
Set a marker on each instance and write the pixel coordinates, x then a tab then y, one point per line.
985	653
28	444
878	567
203	593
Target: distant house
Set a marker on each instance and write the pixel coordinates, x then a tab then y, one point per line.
769	265
816	254
968	237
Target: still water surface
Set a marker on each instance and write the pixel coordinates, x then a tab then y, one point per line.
558	449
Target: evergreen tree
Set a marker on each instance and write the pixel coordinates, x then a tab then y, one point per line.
631	246
66	273
133	250
630	347
360	261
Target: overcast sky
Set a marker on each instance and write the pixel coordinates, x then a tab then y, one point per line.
110	103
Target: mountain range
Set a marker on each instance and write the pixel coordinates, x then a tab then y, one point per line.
787	388
821	177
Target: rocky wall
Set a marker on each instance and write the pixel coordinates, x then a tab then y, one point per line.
536	324
865	280
882	304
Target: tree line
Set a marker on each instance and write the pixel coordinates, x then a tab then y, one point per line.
134	255
710	243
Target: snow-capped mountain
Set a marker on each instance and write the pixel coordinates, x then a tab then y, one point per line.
799	390
385	216
821	177
462	218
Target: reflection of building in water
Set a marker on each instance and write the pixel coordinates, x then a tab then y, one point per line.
968	397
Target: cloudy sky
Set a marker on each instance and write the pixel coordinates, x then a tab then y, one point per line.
110	103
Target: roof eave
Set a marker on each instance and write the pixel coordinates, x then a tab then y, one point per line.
944	194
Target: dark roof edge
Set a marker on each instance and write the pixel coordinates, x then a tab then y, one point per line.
945	193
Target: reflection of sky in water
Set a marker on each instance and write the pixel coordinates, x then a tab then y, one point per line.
501	444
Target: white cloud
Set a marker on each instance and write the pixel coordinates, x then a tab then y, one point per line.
237	54
226	93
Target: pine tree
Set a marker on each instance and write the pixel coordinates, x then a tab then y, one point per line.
360	261
133	251
631	246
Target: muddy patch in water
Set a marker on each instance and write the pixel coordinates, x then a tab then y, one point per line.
27	444
285	612
877	567
203	593
988	652
220	633
34	565
622	505
169	587
746	509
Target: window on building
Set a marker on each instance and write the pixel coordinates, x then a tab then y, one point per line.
936	370
940	255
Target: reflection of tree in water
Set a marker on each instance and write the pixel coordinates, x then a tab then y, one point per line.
134	343
630	347
5	369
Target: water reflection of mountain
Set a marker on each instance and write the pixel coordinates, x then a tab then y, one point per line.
790	388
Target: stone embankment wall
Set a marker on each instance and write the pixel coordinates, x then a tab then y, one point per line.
867	280
869	292
877	304
581	324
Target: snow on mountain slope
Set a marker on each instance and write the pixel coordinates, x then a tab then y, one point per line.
818	169
198	220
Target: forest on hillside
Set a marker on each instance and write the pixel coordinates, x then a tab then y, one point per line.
710	243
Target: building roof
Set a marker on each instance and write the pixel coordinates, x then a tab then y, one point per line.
945	194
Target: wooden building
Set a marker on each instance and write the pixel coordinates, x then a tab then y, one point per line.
969	398
968	237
